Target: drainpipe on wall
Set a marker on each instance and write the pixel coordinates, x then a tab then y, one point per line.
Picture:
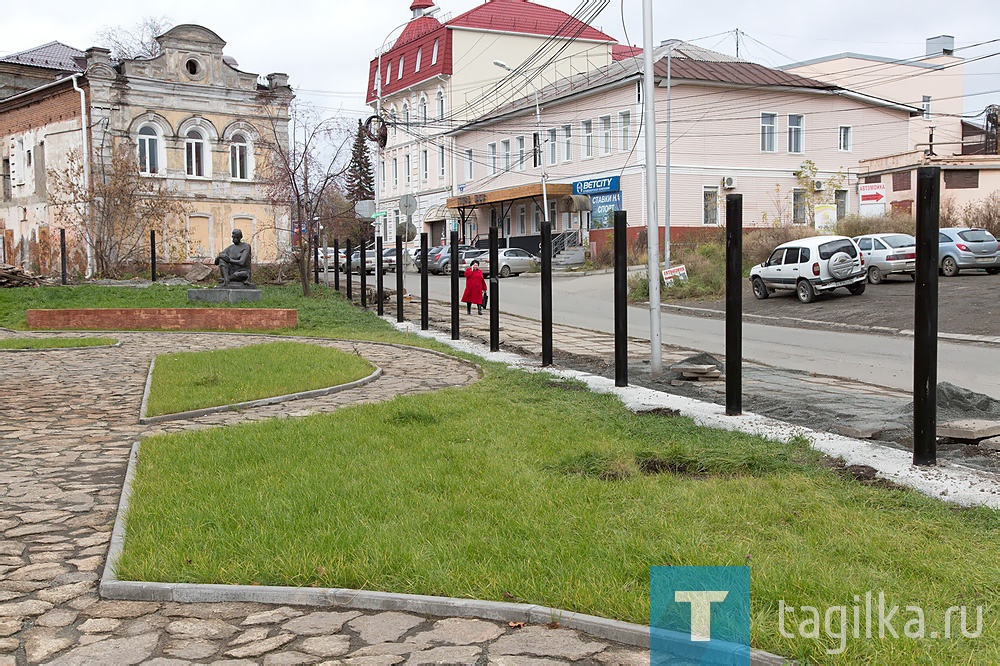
84	126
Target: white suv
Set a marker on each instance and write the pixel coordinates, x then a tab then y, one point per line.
810	266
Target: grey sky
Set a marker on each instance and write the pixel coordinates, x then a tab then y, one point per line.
325	46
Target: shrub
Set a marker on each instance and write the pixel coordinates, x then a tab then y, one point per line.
855	225
984	213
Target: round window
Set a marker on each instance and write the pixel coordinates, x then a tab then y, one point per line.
193	67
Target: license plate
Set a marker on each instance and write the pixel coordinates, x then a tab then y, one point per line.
841	283
985	260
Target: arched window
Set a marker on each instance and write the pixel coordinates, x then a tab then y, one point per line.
393	120
406	115
149	151
440	105
194	153
239	158
423	110
420	53
434	53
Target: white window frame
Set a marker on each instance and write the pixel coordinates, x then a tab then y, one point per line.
625	131
606	134
420	53
440	105
150	144
796	193
567	143
521	153
768	132
469	165
434	53
441	162
425	165
395	172
845	139
195	150
399	72
522	219
423	110
796	134
552	137
587	138
505	151
536	219
406	116
925	104
491	157
714	190
407	169
237	150
381	169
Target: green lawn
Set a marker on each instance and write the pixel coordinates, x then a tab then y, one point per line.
521	488
195	380
54	343
447	494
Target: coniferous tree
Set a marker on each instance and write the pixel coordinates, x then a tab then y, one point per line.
360	179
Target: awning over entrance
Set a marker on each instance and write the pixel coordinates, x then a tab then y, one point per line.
509	194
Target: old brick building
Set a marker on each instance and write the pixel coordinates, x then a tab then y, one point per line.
201	127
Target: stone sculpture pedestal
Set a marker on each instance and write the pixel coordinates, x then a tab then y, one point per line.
231	294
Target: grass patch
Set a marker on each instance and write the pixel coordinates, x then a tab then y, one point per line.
195	380
450	493
54	343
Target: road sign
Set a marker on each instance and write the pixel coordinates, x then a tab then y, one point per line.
407	204
365	208
871	193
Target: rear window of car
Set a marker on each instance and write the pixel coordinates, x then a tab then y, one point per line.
899	240
976	235
827	250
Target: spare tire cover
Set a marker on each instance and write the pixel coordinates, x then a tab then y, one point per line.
841	265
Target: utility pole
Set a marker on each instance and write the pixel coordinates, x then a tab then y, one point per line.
652	230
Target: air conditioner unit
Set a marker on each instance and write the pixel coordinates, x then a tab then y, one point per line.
819	185
729	182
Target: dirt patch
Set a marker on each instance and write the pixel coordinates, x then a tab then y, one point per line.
863	474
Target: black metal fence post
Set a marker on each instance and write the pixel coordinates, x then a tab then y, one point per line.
363	269
378	275
62	255
925	317
315	258
336	264
546	293
152	255
400	267
494	289
734	304
453	260
424	325
621	299
347	264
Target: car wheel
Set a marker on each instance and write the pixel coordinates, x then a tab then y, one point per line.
446	269
857	288
992	271
759	289
875	275
949	267
804	290
504	271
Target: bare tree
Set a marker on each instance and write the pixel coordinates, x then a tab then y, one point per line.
300	170
113	216
139	41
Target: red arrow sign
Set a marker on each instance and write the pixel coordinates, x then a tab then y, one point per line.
876	197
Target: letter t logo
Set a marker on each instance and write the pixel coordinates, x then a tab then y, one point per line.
701	610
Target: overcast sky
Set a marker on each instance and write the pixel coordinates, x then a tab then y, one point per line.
325	46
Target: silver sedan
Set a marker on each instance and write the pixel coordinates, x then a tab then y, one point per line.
887	254
510	261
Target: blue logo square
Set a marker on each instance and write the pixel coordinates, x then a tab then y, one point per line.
700	614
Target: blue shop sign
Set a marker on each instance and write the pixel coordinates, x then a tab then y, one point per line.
602	208
597	185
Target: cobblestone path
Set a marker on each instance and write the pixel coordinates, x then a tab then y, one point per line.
67	422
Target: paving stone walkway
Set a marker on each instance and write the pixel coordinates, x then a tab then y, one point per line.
67	422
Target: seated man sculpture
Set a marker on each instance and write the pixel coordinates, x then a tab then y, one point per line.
234	263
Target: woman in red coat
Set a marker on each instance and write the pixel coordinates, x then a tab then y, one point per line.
475	287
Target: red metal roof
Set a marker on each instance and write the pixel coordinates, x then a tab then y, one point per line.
54	55
745	73
621	51
419	36
421	4
524	17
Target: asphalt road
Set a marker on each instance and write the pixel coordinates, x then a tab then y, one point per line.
880	359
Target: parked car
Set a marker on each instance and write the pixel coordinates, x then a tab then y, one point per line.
888	254
961	248
370	263
389	259
440	262
809	266
468	256
511	261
